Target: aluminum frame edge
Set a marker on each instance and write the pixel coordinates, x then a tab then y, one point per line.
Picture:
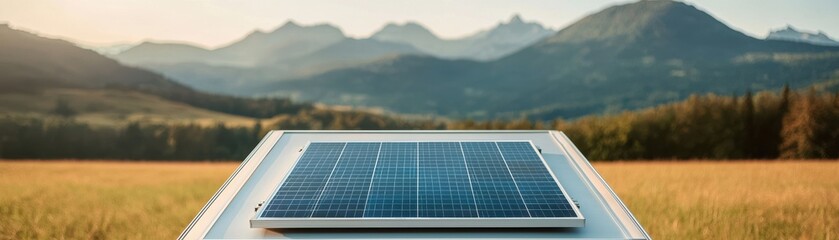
632	228
250	163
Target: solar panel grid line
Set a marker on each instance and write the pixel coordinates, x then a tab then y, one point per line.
441	187
345	194
327	180
529	214
493	183
286	204
471	188
444	187
575	211
542	190
373	177
272	206
394	183
418	175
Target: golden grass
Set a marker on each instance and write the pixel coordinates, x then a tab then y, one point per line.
684	200
730	200
103	200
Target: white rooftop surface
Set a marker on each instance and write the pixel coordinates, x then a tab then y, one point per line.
227	215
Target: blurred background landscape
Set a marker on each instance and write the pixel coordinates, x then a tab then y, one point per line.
626	81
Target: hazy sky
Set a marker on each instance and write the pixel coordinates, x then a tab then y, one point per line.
211	23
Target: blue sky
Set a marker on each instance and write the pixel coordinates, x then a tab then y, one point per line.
211	23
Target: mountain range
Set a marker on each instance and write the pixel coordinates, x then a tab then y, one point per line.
37	74
624	57
791	34
294	51
501	40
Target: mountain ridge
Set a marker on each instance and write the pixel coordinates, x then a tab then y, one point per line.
493	43
294	51
791	34
285	42
151	52
605	62
249	50
87	69
31	65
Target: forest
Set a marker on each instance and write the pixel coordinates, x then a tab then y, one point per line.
766	125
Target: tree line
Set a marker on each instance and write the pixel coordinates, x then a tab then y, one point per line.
766	125
62	137
34	138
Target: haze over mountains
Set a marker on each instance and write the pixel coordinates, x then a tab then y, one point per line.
257	48
294	51
623	57
503	39
794	35
36	73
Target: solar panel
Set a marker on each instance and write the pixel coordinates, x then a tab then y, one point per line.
419	184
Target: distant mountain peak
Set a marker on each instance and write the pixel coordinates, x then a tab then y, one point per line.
407	26
516	19
516	30
410	29
670	20
290	24
502	39
413	24
255	33
790	33
147	43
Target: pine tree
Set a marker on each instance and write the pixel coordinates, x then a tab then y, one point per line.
800	129
748	111
63	109
777	128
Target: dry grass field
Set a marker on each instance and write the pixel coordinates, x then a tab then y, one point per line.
673	200
730	200
103	200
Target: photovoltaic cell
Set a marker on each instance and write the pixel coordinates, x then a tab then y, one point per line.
538	189
469	179
345	194
496	194
444	188
297	196
394	189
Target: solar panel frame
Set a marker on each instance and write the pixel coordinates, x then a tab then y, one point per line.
258	221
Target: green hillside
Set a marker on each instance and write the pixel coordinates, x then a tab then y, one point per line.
37	72
112	108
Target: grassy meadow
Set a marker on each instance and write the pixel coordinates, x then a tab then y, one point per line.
730	200
103	200
673	200
114	108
